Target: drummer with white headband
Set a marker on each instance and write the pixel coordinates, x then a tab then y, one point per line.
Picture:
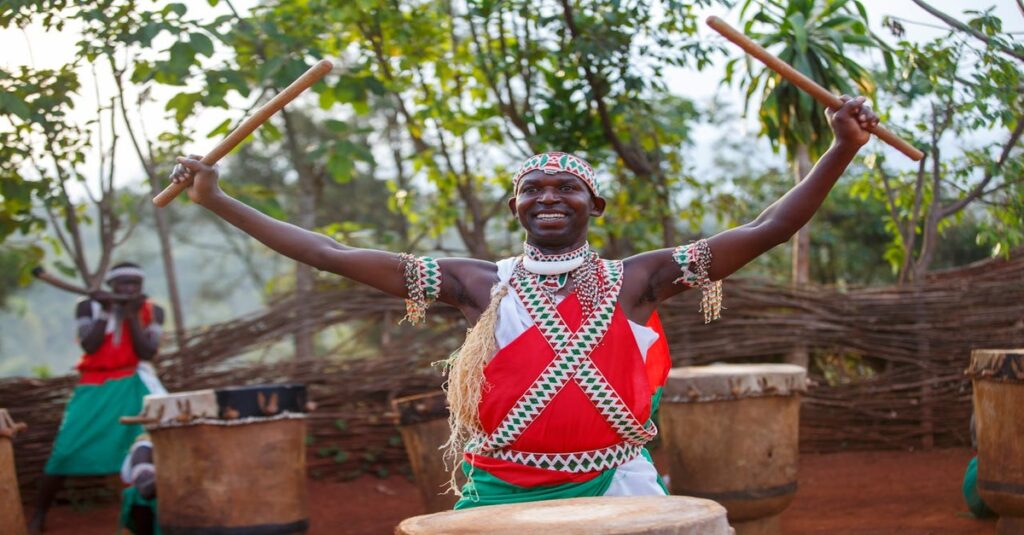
120	338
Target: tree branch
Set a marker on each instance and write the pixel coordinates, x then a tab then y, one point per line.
891	204
508	107
633	160
77	251
957	25
989	173
911	227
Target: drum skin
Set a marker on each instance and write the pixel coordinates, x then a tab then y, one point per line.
741	454
999	417
241	478
10	497
651	515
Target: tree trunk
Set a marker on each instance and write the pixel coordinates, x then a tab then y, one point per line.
802	240
163	231
304	276
801	261
308	199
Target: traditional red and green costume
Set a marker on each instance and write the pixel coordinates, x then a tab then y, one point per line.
568	399
112	383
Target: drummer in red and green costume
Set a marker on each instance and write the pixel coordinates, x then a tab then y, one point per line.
551	394
119	337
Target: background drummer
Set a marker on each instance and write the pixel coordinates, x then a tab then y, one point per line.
119	338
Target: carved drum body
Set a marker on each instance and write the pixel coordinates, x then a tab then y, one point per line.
998	379
732	433
230	460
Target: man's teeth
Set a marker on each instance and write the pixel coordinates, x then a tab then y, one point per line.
551	216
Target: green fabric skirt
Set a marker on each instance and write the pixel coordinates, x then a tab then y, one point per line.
131	498
485	489
91	439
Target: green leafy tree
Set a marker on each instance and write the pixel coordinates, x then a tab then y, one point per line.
849	242
478	86
965	92
41	162
569	75
115	34
816	37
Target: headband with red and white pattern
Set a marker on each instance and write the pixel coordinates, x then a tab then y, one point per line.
558	162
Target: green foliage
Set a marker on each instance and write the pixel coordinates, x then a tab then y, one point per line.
848	233
42	372
432	104
43	152
16	264
840	367
968	115
818	39
39	148
482	85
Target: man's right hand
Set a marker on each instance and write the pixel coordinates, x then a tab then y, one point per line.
200	178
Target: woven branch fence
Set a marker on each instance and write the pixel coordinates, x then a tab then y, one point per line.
887	363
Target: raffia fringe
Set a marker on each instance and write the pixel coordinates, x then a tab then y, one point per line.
465	369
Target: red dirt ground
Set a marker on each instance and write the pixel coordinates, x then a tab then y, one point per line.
909	493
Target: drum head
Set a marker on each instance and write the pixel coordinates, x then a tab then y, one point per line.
602	516
261	400
997	364
421	408
718	382
180	406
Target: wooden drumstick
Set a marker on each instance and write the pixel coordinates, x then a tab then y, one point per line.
260	116
822	95
133	420
8	427
41	274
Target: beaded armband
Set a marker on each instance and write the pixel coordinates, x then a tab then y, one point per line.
694	260
423	282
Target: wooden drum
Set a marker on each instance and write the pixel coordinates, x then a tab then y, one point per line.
998	378
230	460
423	423
731	432
652	515
13	522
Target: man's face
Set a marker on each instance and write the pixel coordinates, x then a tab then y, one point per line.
126	285
555	209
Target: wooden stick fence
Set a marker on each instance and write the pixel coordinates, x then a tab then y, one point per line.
911	345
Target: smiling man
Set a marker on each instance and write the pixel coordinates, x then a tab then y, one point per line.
549	395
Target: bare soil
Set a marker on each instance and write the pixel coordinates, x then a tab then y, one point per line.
856	493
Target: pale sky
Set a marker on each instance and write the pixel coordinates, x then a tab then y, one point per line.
34	47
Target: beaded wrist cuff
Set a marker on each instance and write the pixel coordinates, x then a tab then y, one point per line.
423	282
694	261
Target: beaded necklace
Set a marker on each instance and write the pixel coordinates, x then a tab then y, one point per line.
551	273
